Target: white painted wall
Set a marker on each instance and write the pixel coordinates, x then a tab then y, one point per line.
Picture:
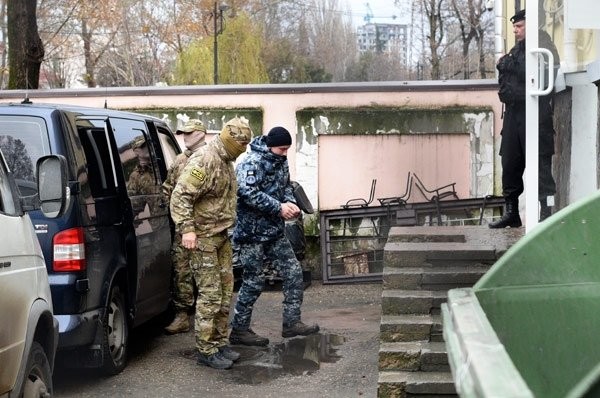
584	147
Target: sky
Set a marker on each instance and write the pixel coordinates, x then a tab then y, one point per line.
382	11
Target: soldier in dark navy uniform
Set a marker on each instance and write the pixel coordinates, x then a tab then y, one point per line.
265	201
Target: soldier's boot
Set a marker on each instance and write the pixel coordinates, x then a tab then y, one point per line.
298	329
247	337
216	361
228	353
511	217
181	324
545	210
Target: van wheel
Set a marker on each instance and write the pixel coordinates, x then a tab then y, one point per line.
38	376
116	333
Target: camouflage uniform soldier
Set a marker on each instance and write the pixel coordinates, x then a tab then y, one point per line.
203	207
142	177
265	201
141	182
194	134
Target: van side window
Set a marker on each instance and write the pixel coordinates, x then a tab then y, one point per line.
167	145
100	169
136	155
23	140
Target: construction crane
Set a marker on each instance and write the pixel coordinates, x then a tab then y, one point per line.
369	14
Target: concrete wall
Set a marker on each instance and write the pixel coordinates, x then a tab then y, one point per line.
444	131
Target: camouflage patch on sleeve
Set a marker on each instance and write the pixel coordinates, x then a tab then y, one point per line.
199	174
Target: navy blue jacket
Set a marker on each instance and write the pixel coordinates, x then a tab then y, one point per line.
263	184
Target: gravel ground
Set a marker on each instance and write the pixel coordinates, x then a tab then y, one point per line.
341	361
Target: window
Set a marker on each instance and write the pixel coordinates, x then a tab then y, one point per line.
96	145
168	145
131	138
23	140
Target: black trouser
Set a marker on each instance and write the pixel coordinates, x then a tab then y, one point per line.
512	150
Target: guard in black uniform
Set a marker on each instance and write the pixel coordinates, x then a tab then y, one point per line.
511	78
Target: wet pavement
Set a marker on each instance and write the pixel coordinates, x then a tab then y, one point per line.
340	361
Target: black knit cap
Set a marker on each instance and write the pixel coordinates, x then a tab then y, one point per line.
520	16
278	136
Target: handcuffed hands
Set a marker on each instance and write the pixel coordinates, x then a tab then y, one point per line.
289	210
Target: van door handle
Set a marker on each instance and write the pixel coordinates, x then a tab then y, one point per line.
5	264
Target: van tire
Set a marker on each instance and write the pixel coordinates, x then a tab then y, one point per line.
115	334
38	375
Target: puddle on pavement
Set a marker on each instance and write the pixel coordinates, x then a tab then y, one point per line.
297	356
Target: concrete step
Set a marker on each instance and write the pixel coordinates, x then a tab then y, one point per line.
430	278
437	254
396	301
415	384
413	356
410	327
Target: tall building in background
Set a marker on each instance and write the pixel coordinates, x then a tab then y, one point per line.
384	38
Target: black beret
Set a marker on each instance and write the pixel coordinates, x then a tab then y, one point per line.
520	16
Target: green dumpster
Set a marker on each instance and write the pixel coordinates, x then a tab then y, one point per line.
531	326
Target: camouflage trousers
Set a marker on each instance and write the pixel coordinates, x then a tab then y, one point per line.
282	256
213	275
183	282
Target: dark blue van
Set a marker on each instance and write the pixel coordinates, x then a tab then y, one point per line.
107	257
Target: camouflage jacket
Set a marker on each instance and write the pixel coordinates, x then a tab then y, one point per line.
263	185
140	184
174	172
203	200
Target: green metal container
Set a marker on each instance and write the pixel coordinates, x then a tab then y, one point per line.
531	326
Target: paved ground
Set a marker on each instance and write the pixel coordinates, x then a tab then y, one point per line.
341	361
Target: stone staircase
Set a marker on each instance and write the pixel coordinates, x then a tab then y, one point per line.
420	265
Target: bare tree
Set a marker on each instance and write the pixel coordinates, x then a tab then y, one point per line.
3	45
311	41
26	50
435	35
332	37
470	18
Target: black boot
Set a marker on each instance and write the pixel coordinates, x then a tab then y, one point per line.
545	210
247	337
298	329
216	361
511	217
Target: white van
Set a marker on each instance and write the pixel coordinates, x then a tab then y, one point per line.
28	329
